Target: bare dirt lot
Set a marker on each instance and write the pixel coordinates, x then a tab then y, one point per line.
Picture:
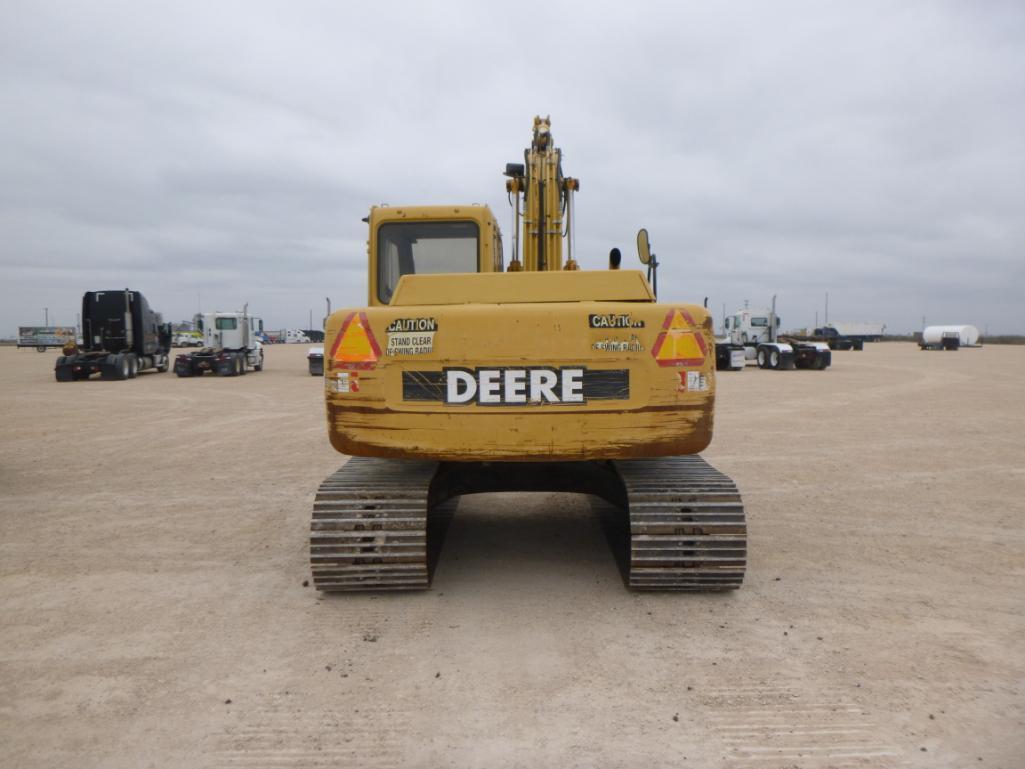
153	540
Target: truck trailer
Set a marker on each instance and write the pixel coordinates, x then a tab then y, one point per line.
42	337
848	336
121	336
949	337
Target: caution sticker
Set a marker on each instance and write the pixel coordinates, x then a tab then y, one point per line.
610	344
613	320
411	336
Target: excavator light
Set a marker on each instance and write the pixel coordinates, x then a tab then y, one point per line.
679	343
355	346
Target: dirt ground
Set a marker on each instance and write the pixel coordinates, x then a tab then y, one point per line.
153	612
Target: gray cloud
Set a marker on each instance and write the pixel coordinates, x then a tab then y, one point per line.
871	150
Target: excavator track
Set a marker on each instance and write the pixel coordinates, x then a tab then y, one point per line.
687	527
369	528
370	518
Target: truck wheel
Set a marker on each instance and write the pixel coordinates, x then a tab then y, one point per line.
133	365
760	358
62	372
774	359
115	367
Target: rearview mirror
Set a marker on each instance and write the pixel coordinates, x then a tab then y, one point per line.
643	250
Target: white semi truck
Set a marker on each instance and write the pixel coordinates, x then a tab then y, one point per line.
757	331
231	346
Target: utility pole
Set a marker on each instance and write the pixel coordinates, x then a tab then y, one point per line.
311	320
46	316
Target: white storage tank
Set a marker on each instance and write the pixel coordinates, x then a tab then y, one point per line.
968	335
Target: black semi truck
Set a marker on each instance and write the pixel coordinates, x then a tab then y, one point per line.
121	336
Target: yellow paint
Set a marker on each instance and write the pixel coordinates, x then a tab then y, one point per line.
522	287
657	419
601	324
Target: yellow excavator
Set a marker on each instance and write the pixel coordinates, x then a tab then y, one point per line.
467	375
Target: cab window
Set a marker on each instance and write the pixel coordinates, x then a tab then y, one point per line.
759	322
226	324
419	248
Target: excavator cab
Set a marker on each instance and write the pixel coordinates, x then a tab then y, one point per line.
429	240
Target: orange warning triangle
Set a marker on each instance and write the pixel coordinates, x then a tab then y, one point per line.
679	344
355	346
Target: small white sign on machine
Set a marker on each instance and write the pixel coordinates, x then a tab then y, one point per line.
696	382
347	382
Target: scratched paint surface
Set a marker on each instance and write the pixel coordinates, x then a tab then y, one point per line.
656	416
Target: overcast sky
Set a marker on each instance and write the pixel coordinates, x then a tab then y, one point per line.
212	153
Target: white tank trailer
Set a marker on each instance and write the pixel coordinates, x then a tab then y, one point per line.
949	337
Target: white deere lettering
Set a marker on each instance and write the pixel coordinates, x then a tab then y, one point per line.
514	386
542	385
490	386
572	385
460	386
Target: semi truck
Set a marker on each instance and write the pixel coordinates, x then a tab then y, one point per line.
848	336
757	331
231	346
121	336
